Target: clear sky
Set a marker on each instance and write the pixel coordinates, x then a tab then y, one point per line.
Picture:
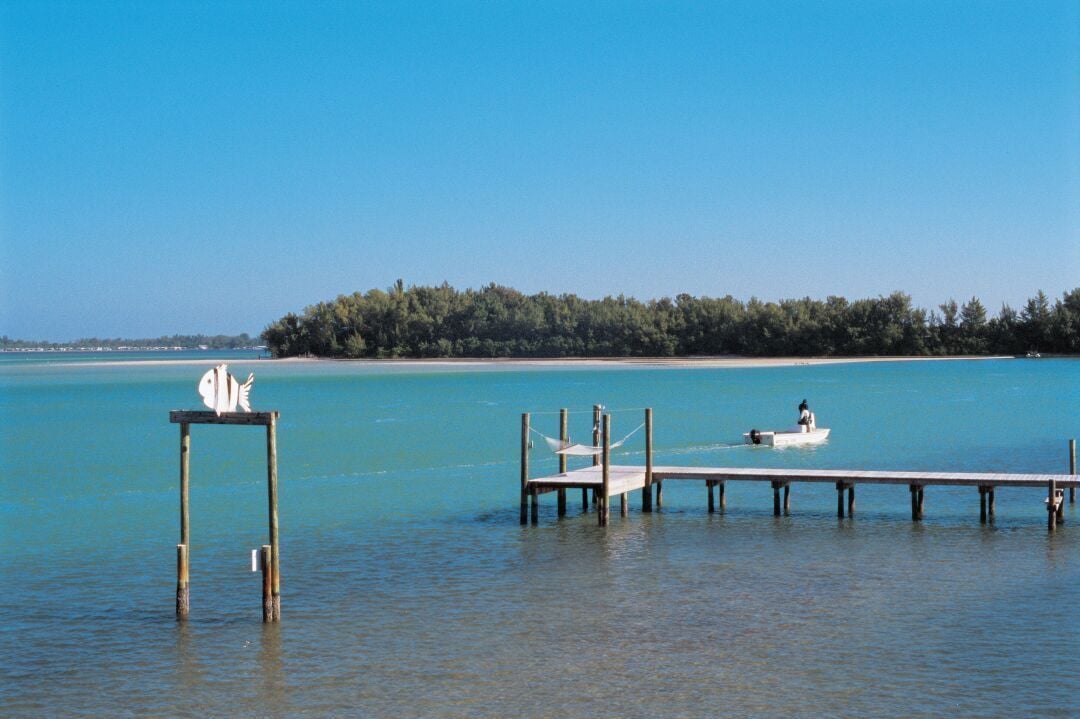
206	167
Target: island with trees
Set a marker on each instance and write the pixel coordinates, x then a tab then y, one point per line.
500	322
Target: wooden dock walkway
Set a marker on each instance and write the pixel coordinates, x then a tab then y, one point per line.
606	480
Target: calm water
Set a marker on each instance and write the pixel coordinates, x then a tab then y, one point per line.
409	590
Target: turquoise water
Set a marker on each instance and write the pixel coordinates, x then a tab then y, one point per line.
409	589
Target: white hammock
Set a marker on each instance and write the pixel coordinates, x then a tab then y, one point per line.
559	446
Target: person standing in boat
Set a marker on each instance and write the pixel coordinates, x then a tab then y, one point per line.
806	418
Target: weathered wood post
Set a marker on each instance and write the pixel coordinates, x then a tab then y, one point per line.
603	502
564	434
1051	505
840	501
776	498
524	467
990	502
708	490
851	500
183	590
787	498
1072	469
183	598
266	562
982	504
646	491
723	501
272	487
919	504
916	502
596	410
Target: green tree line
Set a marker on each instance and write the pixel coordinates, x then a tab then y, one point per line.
497	321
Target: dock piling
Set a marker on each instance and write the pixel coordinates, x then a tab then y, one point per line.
840	500
266	562
524	467
272	487
851	500
564	436
709	491
606	474
183	595
596	410
982	505
787	498
776	499
1072	469
646	491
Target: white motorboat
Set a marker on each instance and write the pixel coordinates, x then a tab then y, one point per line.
790	438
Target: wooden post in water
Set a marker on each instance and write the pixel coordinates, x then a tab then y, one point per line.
916	502
840	501
1051	505
723	501
990	502
563	434
982	504
603	501
524	467
183	598
272	484
851	500
708	489
776	498
596	410
183	589
1072	469
266	562
787	498
646	491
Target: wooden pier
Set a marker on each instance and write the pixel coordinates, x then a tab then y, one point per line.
607	480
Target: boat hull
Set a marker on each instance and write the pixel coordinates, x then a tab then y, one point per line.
789	439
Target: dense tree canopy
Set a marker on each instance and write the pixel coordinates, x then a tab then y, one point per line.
499	321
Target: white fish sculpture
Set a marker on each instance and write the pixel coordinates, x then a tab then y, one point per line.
222	392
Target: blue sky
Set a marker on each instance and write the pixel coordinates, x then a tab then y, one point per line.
208	167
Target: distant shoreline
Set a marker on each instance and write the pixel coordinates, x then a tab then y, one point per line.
645	362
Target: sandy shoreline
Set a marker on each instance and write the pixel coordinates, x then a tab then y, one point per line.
644	362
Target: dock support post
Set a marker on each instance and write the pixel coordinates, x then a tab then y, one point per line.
982	504
563	435
646	491
596	410
1051	506
851	500
776	499
990	503
708	489
183	597
606	474
916	502
787	499
183	590
272	492
266	562
524	467
840	500
1072	469
723	501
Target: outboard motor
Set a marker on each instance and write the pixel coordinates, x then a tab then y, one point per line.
755	437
